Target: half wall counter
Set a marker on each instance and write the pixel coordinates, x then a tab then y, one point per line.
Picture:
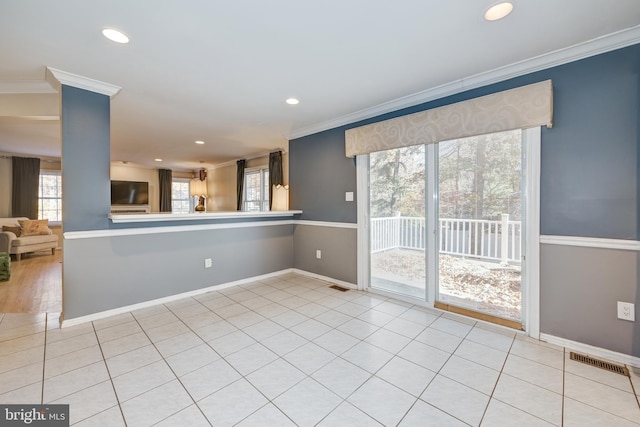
144	259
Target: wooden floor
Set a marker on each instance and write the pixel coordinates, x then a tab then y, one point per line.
35	285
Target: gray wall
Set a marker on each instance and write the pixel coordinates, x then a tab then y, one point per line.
320	175
85	159
110	272
590	169
339	251
578	299
589	184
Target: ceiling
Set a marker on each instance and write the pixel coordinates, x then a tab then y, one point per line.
220	71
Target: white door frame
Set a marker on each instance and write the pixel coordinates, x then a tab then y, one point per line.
362	186
531	270
531	274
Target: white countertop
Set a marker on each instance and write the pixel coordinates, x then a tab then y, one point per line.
167	216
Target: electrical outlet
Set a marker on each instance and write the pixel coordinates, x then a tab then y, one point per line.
319	254
626	311
348	196
208	263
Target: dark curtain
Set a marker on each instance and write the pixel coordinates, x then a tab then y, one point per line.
26	181
275	173
165	178
240	182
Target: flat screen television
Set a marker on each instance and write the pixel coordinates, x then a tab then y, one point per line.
129	193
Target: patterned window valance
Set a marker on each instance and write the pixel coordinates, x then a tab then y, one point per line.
520	108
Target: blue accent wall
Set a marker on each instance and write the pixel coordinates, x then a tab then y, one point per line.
589	184
85	159
590	160
320	174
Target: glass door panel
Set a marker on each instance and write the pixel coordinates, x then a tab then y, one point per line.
397	221
480	224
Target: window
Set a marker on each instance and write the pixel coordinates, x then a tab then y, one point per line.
181	202
50	196
256	190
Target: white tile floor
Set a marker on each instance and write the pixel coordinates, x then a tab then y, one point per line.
291	351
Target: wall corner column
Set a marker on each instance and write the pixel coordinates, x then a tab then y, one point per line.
86	155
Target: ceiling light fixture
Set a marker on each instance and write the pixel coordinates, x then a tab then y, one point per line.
498	11
292	101
158	160
115	35
200	142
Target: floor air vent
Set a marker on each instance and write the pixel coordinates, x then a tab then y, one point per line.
339	288
618	369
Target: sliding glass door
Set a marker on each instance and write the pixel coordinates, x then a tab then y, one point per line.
446	223
480	223
398	231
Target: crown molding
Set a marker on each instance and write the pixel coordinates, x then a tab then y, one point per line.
251	157
606	43
57	77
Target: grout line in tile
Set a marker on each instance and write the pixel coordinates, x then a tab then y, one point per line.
633	388
170	368
113	387
44	358
513	339
412	405
443	365
606	411
564	370
528	413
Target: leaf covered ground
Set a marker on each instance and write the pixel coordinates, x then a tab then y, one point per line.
482	286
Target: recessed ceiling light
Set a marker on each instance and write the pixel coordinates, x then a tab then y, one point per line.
200	142
158	160
292	101
115	35
498	11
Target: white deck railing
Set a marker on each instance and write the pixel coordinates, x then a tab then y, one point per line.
473	238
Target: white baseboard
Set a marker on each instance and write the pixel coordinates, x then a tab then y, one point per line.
326	279
590	350
352	225
146	304
573	345
164	300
